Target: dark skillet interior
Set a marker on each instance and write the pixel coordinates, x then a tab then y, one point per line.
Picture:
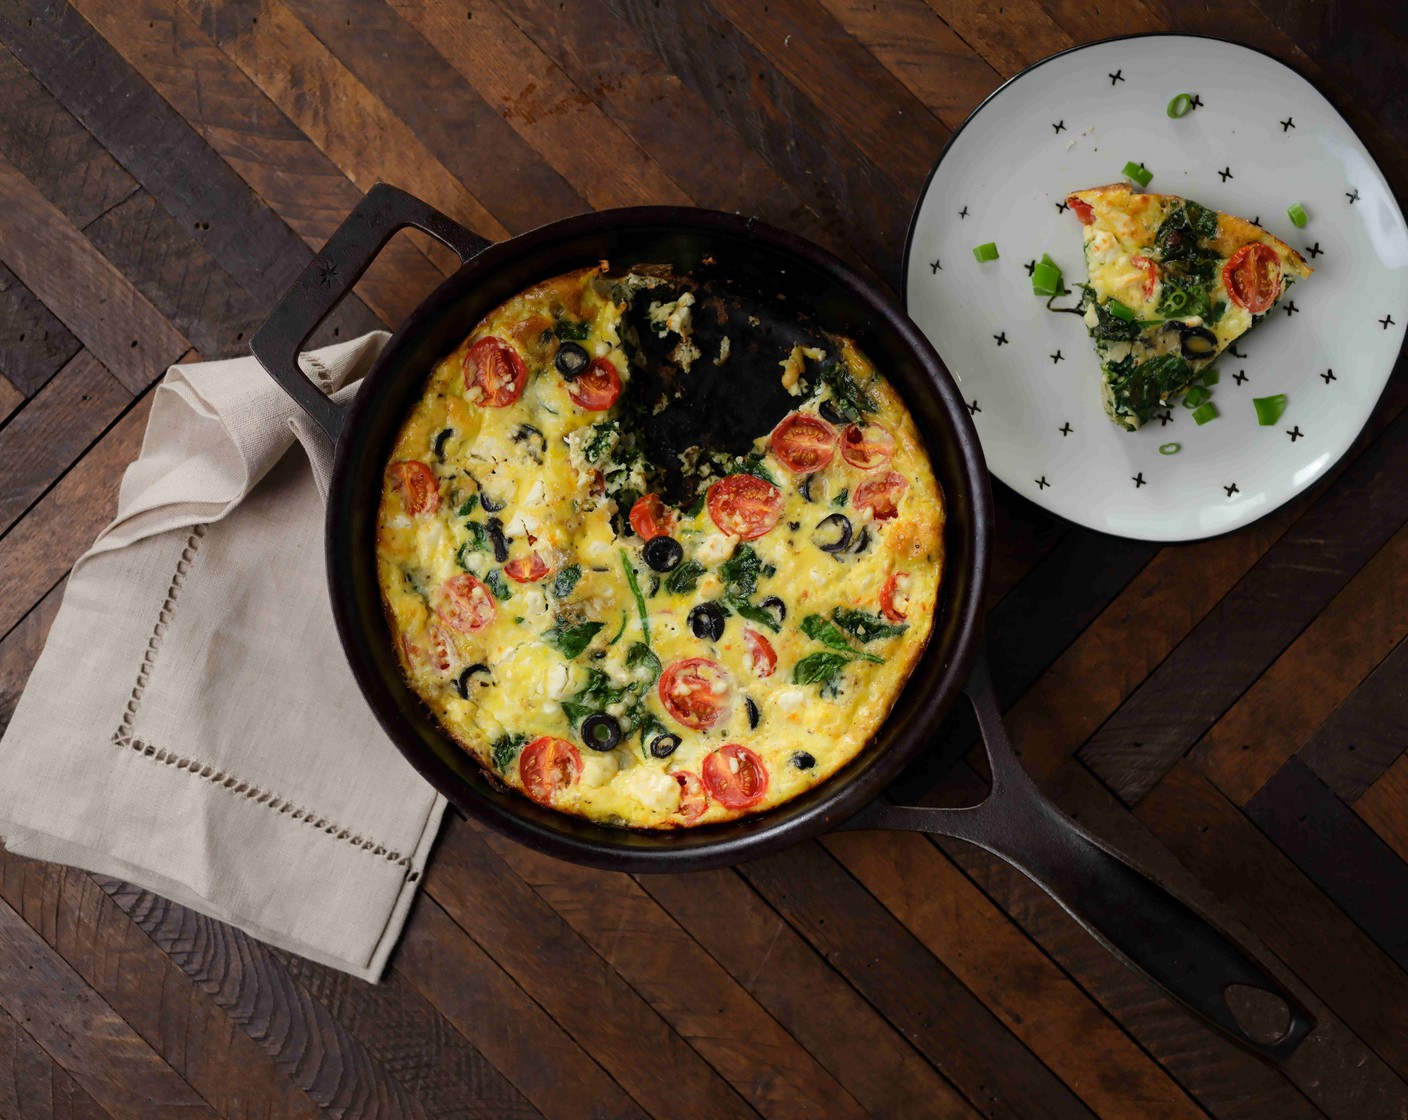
814	283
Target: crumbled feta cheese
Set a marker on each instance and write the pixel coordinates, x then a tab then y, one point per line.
791	699
717	548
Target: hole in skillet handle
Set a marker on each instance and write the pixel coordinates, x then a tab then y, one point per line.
330	275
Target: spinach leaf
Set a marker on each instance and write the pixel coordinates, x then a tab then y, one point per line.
635	590
1111	328
1214	314
754	466
697	506
505	749
684	578
839	501
565	581
625	616
1143	386
850	399
468	507
865	625
568	331
571	638
1182	297
828	634
496	583
819	668
740	571
744	609
602	439
639	655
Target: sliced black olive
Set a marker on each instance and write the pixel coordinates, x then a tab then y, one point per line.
601	732
830	412
663	554
833	534
490	506
462	684
707	621
440	443
775	607
571	360
753	714
536	442
496	538
805	487
1197	342
663	746
862	541
803	761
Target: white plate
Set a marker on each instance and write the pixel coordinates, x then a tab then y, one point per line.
1261	139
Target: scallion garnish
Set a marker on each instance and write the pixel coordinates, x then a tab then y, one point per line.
1119	310
1180	104
1047	280
1211	376
1204	413
1169	448
1139	173
1196	396
986	252
1298	216
1269	409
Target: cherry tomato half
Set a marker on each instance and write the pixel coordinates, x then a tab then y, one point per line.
420	492
694	799
650	518
735	776
494	367
526	569
867	446
442	648
743	505
1151	272
894	597
598	388
803	442
695	692
1253	277
548	765
761	651
466	604
1083	210
881	495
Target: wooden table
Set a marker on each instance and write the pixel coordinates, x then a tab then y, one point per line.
1232	712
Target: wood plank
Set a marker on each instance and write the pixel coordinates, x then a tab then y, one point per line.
1086	23
57	427
163	43
35	1087
10	399
918	995
1010	36
998	962
82	287
449	969
1025	534
37	552
19	650
1384	806
1274	899
84	1035
805	995
555	130
612	914
572	983
1361	739
34	345
1345	642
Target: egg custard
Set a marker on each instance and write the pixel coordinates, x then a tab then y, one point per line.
642	633
1172	285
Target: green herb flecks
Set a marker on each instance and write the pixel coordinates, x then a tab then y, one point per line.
569	331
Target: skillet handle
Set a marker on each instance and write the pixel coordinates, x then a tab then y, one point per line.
330	276
1145	926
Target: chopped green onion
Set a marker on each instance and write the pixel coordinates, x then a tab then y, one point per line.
986	252
1119	310
1269	409
1169	448
1298	218
1139	173
1046	280
1196	396
1211	376
1180	105
1175	300
1205	413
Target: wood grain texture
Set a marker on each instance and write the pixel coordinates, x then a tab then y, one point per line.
33	1085
1384	807
34	345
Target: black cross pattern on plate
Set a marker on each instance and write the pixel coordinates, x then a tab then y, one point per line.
973	408
1059	126
1232	349
1314	250
1226	174
1057	357
963	213
1240	376
1139	480
1041	483
1386	322
1291	307
1232	489
1352	195
935	267
1001	338
1257	220
1328	376
1062	206
1165	418
1295	433
1030	266
1065	429
1196	103
1117	76
1287	125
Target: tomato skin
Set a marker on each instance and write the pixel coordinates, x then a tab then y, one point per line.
1151	272
867	446
548	765
686	690
420	492
650	518
1253	277
803	443
895	612
694	798
526	569
735	776
598	388
1084	211
760	649
881	495
495	368
744	506
467	604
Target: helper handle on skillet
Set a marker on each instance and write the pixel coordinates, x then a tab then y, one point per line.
330	276
1141	923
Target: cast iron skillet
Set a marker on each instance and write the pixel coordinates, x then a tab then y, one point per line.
1153	932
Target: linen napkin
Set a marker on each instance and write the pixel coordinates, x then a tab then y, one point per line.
191	725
